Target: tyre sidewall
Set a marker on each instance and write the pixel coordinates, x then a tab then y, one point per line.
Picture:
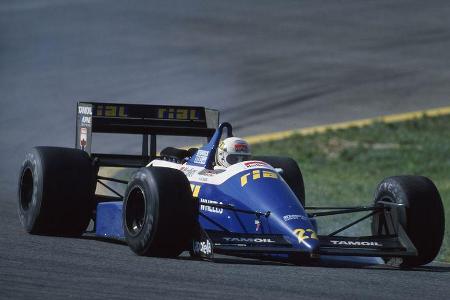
171	213
30	216
63	191
141	242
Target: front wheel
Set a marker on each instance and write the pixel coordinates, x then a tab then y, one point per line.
159	214
422	215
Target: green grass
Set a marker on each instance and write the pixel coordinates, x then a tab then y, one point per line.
344	166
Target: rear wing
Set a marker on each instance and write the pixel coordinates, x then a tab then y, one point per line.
147	120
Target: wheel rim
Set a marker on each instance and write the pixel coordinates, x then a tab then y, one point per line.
135	211
26	189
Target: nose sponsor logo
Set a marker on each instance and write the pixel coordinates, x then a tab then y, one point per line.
356	243
248	240
257	174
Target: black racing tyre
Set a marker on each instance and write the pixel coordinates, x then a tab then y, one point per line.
56	191
159	212
291	173
422	217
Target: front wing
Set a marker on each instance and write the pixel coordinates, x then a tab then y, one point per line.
209	242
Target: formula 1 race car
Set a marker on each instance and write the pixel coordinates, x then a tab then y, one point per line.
178	201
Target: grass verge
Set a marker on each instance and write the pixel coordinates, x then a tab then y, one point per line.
344	166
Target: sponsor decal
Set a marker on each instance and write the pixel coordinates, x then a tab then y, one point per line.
195	189
207	173
111	111
222	145
356	243
248	240
85	110
240	146
257	224
294	217
257	174
255	163
202	247
212	209
83	137
201	156
85	120
303	234
189	172
178	114
203	179
85	113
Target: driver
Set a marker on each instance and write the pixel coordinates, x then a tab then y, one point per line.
232	150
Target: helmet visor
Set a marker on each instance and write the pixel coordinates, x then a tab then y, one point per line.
236	158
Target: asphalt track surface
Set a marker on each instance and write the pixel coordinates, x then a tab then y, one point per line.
267	65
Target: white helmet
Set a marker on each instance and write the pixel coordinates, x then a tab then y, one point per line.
232	150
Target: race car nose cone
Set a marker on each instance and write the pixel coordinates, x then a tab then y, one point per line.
311	244
307	238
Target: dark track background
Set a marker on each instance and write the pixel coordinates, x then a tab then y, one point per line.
267	65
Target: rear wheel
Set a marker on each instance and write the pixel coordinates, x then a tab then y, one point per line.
422	217
56	190
291	173
159	214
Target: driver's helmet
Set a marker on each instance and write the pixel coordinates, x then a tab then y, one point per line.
232	150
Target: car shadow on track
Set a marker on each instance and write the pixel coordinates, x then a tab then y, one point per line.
240	261
441	268
386	267
88	236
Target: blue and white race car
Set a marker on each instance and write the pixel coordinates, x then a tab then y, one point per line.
180	200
